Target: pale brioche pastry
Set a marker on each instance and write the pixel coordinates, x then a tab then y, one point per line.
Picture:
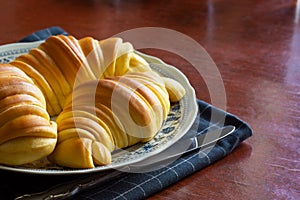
102	95
26	132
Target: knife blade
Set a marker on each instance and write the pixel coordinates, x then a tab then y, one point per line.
203	139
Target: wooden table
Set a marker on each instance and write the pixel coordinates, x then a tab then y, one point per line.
256	47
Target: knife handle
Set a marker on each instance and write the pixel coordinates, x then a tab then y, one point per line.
67	190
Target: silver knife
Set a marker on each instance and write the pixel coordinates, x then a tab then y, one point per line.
206	138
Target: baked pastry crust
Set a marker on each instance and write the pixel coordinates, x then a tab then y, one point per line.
26	131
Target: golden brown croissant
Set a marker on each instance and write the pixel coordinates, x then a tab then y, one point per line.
26	132
104	95
125	111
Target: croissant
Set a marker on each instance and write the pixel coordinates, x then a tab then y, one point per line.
102	95
26	131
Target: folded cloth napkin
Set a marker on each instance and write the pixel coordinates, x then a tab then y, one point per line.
134	185
44	34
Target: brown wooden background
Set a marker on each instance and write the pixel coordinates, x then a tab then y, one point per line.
256	46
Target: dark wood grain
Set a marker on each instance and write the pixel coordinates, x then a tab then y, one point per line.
256	46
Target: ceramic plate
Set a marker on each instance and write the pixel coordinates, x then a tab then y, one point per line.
178	122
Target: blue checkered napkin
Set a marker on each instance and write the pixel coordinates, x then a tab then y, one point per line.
44	34
142	185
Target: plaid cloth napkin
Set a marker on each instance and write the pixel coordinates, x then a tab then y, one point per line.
134	185
44	34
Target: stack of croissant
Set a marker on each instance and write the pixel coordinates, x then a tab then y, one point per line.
76	101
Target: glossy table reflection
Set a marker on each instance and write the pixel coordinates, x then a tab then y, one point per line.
256	47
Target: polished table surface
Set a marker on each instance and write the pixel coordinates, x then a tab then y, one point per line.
256	47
